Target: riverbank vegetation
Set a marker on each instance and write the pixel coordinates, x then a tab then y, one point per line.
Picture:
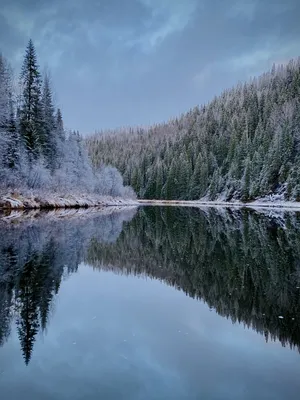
38	156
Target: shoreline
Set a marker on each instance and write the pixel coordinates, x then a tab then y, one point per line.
30	215
55	202
288	205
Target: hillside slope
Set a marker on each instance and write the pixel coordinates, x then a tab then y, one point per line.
242	145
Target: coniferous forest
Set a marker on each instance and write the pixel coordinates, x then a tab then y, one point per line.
37	154
243	145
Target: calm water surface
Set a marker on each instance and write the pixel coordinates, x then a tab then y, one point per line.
155	303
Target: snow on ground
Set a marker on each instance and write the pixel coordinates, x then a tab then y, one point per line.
16	201
53	201
17	215
263	203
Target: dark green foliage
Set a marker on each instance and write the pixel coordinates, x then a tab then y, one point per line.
244	144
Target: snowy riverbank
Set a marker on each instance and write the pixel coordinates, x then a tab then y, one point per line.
262	203
17	216
53	201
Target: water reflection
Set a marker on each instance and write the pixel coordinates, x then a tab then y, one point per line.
36	252
243	264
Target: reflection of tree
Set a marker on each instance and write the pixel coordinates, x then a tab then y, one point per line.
34	293
8	260
28	302
34	258
244	265
5	314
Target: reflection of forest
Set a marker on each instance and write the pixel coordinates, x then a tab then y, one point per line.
34	257
244	265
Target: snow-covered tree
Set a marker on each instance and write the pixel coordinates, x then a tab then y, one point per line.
31	110
49	146
35	151
5	96
245	143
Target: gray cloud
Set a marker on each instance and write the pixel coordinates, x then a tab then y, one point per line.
118	62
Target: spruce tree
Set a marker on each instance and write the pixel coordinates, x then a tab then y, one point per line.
59	124
49	144
3	95
9	136
13	151
246	181
159	180
31	116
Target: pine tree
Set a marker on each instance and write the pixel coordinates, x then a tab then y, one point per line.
13	151
159	180
150	192
5	90
246	181
183	176
59	126
171	185
4	110
49	143
215	185
198	182
31	115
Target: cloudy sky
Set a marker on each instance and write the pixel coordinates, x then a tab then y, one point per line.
131	62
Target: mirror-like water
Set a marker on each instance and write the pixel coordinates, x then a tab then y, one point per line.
155	303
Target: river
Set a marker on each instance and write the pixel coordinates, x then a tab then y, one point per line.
150	303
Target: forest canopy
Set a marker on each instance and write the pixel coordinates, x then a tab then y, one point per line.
244	145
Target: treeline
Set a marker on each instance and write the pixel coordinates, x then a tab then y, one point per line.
36	152
243	145
35	256
242	264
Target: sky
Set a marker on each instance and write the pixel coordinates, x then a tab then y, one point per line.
117	63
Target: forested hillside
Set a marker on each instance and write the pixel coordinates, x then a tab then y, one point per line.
242	145
36	152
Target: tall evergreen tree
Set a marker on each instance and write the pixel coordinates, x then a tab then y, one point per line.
49	144
13	151
4	109
59	124
31	114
